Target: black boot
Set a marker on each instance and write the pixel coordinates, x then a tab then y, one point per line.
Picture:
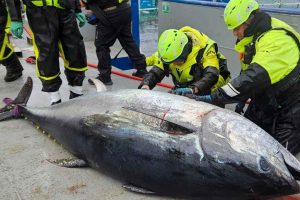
56	102
13	68
140	73
74	95
105	81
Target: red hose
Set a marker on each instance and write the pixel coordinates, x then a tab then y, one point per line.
131	77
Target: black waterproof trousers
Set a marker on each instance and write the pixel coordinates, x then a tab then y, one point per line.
56	31
283	125
117	26
9	59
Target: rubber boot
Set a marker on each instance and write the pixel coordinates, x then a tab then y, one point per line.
55	98
140	73
56	102
105	81
13	68
74	95
75	91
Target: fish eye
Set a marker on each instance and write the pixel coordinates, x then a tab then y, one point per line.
263	164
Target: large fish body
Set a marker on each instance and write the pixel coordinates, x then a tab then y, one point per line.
171	145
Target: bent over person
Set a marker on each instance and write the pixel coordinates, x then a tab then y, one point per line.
8	57
54	27
270	75
191	58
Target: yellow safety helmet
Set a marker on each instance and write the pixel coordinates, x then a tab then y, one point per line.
238	11
171	45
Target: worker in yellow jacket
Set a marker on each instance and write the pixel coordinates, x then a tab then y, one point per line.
270	75
191	58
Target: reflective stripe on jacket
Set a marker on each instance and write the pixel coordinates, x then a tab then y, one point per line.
54	3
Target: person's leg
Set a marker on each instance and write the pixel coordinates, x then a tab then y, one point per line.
104	39
129	45
284	126
287	128
257	116
44	25
72	51
13	68
7	57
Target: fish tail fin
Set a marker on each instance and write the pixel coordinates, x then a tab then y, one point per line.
12	109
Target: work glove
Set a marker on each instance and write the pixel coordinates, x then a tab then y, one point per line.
239	108
81	18
204	98
181	91
92	19
17	29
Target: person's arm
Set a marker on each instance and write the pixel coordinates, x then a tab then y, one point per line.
211	72
154	76
153	60
251	81
14	9
77	6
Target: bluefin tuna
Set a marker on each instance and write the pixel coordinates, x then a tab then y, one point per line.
166	144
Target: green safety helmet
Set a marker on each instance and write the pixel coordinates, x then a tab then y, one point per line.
171	45
238	11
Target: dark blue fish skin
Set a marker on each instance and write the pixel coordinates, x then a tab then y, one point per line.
171	145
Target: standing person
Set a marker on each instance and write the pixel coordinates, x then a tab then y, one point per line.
271	75
8	57
54	27
191	58
114	23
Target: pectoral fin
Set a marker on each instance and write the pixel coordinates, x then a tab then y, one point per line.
69	163
136	189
